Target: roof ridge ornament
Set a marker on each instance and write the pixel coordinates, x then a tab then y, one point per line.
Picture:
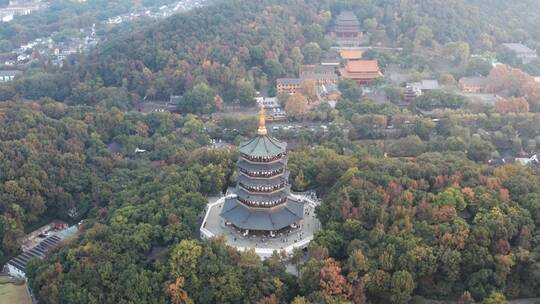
262	123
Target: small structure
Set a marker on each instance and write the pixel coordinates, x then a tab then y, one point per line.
473	85
17	266
361	71
324	72
9	75
318	73
328	92
522	51
351	54
347	29
425	85
331	58
274	110
288	85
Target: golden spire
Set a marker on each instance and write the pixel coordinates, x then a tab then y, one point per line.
262	123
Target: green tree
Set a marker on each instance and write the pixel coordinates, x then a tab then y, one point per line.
200	100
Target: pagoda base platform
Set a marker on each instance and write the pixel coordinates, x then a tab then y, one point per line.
264	244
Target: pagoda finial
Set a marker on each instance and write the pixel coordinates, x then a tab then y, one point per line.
262	122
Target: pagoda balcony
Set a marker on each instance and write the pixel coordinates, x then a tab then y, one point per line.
261	174
263	189
262	204
263	159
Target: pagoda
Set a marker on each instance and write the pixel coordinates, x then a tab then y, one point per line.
347	25
262	203
346	30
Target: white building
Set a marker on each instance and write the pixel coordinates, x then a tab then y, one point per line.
9	75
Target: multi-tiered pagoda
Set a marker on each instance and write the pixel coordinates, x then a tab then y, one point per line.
347	25
347	30
262	203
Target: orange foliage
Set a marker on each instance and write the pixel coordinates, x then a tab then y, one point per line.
512	105
272	299
177	293
332	282
504	80
444	213
468	193
504	195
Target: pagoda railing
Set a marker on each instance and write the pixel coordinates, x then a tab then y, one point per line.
263	189
257	204
261	173
263	159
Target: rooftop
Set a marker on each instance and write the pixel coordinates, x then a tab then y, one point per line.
213	225
316	69
289	81
351	54
518	48
473	81
362	66
423	85
263	145
274	219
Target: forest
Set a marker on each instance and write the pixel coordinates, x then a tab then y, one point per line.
238	46
412	208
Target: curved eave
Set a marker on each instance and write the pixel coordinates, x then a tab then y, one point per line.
263	145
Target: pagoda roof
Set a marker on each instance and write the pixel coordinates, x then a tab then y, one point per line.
276	218
263	145
347	16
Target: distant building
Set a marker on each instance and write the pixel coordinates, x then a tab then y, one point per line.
307	71
425	85
319	73
351	54
17	266
328	92
274	112
474	85
331	58
9	75
288	85
361	71
347	29
522	52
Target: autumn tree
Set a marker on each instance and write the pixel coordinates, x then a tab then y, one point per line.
512	105
296	105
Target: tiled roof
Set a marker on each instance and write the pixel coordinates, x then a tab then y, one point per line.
351	54
362	66
257	219
290	81
263	145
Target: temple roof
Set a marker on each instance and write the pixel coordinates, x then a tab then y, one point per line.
257	219
244	164
263	145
